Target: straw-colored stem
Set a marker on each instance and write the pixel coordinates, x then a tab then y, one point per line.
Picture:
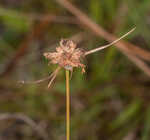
105	46
67	106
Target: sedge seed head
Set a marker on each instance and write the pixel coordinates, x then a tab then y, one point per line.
67	55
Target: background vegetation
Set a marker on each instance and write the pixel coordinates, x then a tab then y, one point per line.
111	101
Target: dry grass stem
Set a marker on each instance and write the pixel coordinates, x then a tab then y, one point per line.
140	63
37	81
53	76
105	46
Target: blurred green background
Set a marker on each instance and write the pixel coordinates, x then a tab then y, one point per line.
111	101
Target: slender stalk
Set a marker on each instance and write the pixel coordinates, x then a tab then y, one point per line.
105	46
67	106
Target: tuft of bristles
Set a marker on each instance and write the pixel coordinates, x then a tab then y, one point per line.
67	55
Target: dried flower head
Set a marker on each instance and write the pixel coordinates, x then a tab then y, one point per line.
67	55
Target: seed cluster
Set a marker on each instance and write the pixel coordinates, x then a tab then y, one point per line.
67	55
